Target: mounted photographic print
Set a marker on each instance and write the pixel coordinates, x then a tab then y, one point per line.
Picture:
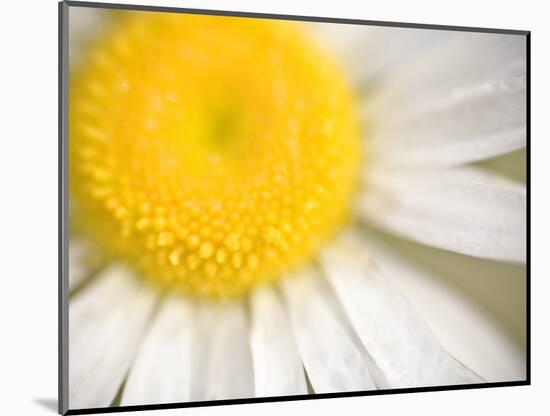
264	207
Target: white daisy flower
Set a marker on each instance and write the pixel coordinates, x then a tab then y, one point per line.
234	182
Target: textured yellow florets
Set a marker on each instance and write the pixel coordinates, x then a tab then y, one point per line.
210	153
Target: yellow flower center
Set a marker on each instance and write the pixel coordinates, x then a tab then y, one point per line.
210	153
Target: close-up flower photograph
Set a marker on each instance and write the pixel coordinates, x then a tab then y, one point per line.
263	207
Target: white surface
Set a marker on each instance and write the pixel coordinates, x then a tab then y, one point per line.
28	222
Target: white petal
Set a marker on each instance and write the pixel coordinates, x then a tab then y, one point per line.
84	261
84	24
464	102
461	328
333	359
223	362
341	37
77	269
162	370
106	324
202	336
463	210
278	369
352	44
371	53
398	340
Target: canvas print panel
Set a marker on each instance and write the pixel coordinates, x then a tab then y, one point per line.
263	207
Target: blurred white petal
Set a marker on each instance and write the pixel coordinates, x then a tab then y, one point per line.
333	359
465	101
466	332
226	364
204	314
107	322
77	268
161	372
462	209
278	369
398	340
84	24
372	53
